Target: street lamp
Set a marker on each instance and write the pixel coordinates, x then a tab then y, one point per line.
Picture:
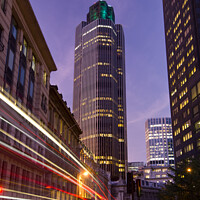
85	174
189	170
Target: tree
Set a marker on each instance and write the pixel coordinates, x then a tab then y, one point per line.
186	182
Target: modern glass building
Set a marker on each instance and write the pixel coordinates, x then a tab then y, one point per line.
182	35
159	142
99	101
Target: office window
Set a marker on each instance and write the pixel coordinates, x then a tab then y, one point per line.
4	171
31	87
198	144
31	84
44	103
198	87
11	59
12	176
14	29
197	126
8	76
21	75
195	91
195	111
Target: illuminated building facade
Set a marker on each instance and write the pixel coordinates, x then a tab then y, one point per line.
135	166
155	174
99	101
39	137
182	34
159	142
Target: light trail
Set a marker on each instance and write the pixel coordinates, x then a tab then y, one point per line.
19	185
7	197
37	152
28	194
35	124
44	197
35	141
85	187
40	138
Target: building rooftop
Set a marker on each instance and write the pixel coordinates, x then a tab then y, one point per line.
100	10
31	21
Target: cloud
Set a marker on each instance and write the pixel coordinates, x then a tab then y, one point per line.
154	109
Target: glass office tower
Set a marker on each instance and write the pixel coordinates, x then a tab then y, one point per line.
99	101
159	142
182	35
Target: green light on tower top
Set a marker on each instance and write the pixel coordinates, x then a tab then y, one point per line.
100	10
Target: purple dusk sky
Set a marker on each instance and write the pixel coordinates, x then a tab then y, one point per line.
146	68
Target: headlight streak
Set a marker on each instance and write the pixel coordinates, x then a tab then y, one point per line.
36	142
35	124
7	197
35	152
46	147
28	194
19	184
85	187
40	138
106	188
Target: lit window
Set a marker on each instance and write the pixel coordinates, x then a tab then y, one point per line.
197	126
24	47
45	78
33	63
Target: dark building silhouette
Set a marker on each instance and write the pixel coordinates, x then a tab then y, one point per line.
99	101
182	33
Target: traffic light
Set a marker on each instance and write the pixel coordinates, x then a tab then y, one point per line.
130	182
138	186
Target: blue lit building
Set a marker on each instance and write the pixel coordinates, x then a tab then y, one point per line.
159	142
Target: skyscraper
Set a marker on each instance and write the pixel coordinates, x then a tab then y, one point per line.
99	101
159	142
182	34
